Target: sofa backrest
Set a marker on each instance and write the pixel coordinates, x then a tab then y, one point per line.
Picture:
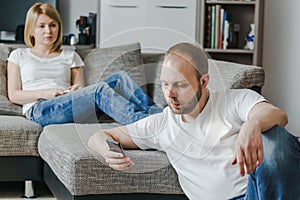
6	107
144	68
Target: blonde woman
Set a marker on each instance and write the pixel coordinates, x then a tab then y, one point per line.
46	80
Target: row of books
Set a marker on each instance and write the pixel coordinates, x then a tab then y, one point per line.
221	32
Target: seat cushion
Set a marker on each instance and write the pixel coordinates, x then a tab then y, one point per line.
18	136
64	148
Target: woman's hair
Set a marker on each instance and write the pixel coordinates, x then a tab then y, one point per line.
31	17
192	53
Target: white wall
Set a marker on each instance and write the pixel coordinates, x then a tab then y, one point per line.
281	58
71	10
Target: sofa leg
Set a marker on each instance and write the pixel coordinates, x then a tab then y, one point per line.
29	190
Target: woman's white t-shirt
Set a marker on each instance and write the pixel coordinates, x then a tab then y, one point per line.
43	73
201	152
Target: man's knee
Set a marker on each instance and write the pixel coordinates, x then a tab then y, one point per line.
279	172
279	146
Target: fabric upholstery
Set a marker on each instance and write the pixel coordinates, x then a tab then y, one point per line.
102	62
64	148
18	136
153	64
225	75
6	107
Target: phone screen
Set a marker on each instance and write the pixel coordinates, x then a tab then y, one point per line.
115	146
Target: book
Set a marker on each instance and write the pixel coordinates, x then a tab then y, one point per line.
221	32
217	26
225	30
213	24
208	27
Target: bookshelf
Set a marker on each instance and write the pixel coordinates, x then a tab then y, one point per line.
239	15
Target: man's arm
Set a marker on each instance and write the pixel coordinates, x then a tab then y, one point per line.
267	115
115	160
249	150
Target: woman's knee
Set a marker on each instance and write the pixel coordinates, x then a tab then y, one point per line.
118	75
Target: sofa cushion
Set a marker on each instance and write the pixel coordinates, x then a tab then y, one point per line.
102	62
18	136
6	107
224	74
64	148
153	63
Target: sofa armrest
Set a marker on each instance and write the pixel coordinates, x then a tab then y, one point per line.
224	75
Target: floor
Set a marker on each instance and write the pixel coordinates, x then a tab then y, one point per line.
15	190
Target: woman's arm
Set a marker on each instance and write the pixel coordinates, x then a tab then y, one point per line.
77	78
19	96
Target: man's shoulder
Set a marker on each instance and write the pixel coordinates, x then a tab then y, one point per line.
230	96
232	92
158	118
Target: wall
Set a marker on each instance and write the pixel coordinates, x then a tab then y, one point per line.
281	59
71	10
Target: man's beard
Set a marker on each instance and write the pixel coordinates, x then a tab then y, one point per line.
187	107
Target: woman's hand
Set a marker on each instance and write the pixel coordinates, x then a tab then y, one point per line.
51	93
74	87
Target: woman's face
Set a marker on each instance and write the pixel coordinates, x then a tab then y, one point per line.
46	31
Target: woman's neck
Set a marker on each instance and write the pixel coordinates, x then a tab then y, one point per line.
44	52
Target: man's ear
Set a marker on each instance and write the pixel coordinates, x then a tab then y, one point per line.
204	80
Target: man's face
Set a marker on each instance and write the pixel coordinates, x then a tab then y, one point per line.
180	85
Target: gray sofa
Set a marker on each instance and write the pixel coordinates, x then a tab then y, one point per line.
58	154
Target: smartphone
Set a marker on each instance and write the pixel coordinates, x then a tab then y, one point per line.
66	91
115	146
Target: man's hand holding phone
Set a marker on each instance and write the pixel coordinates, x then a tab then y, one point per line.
116	157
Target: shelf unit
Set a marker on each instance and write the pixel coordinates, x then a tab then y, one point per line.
243	13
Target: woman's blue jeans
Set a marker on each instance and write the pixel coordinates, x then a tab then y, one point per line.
119	97
278	177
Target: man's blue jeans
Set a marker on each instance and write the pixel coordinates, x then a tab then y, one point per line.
278	177
119	97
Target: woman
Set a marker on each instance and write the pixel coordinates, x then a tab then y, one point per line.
49	83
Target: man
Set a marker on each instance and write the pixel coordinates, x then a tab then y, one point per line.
212	139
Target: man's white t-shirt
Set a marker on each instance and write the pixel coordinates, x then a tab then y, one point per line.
43	73
201	152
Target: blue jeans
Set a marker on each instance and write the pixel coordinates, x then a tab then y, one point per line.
278	177
119	97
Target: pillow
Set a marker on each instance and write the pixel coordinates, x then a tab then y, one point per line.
6	107
102	62
224	75
153	65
